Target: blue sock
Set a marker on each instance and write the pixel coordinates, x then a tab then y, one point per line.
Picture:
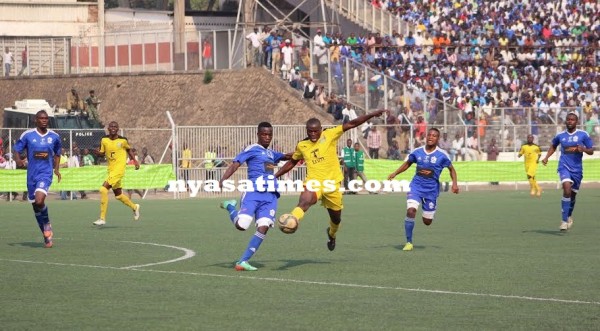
233	213
409	225
42	217
253	246
565	205
571	207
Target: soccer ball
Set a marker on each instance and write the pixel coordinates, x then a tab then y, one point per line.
287	223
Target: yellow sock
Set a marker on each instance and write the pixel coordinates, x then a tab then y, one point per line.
298	213
103	202
125	200
333	228
531	184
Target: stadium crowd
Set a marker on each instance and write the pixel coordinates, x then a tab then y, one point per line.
477	56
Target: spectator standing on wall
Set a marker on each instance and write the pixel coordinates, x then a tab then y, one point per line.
24	62
207	54
255	47
7	60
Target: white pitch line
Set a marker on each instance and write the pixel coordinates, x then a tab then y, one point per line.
377	287
188	254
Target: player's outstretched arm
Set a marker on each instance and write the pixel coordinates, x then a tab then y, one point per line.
289	165
548	155
400	170
233	167
363	118
454	179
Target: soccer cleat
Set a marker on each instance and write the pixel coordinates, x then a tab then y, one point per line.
564	226
330	241
99	222
539	192
48	235
226	203
408	247
136	212
244	266
570	222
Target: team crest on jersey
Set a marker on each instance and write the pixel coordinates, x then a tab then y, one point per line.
575	138
49	140
272	212
119	145
433	159
322	140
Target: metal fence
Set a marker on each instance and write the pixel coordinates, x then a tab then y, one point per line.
213	148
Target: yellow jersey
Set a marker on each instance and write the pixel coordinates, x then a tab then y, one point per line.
532	153
321	157
115	152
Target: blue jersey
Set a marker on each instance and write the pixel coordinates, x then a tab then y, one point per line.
570	158
261	163
429	168
41	150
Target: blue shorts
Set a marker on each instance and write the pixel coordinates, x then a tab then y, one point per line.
573	177
38	184
259	205
428	202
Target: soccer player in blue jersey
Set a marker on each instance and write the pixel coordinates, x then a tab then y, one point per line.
43	154
260	204
425	185
573	143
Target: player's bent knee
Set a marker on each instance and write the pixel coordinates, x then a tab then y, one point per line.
243	222
428	217
412	204
103	190
264	221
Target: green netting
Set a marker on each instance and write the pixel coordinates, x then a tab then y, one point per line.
482	171
91	177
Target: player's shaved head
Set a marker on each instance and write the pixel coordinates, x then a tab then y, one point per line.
264	125
313	122
41	112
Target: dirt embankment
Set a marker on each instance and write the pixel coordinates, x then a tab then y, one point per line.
242	97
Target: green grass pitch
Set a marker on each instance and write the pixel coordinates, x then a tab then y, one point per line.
491	260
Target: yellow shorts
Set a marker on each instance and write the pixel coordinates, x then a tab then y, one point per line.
531	169
330	200
114	179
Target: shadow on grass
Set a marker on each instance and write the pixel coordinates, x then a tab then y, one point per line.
30	244
547	232
418	247
287	264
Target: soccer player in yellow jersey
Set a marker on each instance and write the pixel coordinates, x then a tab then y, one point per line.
116	149
532	154
319	152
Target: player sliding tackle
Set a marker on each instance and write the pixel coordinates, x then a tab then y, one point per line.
319	151
425	185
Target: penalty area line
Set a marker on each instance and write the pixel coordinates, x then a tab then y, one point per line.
337	284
